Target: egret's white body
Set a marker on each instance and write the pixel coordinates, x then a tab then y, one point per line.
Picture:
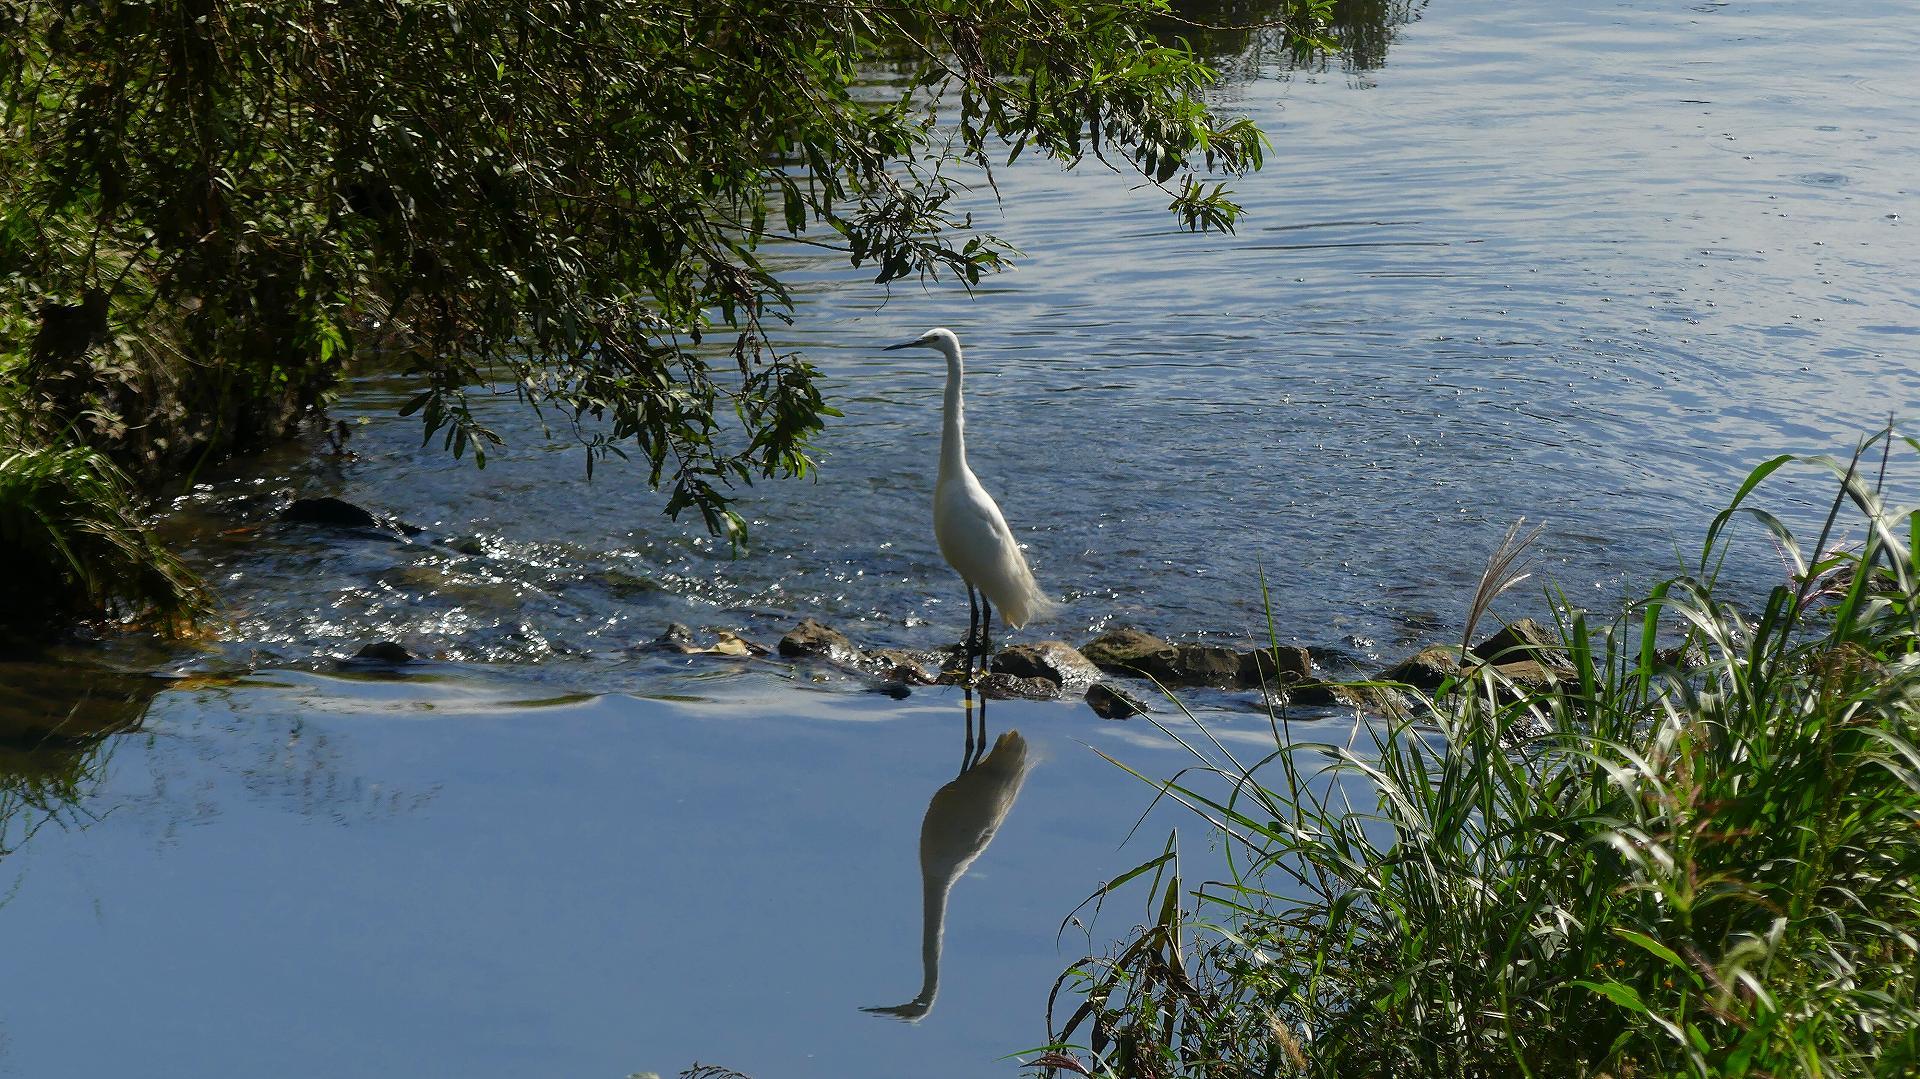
967	523
961	820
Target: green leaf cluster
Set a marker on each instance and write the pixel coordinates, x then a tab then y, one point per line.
208	209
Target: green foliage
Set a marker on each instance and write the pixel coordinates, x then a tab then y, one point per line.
75	546
1698	860
229	199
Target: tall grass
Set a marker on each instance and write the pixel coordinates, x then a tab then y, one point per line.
1697	859
73	544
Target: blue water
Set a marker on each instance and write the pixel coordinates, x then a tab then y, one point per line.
302	875
1585	264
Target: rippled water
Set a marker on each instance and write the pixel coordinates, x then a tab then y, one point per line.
1582	263
1585	264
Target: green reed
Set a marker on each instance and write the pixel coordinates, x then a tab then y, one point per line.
76	547
1693	853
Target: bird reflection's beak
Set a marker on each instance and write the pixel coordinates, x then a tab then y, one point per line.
901	345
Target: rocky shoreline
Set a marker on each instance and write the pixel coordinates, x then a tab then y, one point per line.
1112	671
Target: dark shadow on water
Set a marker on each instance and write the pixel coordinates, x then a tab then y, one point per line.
962	818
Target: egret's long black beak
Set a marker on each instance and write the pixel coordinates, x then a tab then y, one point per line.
901	345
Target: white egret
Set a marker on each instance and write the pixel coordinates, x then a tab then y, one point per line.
973	536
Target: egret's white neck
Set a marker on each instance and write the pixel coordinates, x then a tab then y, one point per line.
953	437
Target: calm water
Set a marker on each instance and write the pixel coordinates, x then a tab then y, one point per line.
1581	263
305	876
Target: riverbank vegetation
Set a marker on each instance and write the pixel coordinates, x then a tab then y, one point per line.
208	211
74	544
1695	853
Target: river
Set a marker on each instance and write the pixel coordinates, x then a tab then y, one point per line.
1582	264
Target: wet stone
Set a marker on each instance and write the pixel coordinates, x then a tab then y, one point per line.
1007	687
1316	693
1273	667
813	639
1133	653
1525	639
676	638
898	665
1681	657
1529	675
328	511
1055	661
1425	669
1207	665
727	643
385	652
1112	702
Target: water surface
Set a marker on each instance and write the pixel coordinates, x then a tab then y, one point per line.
1585	264
305	875
1579	263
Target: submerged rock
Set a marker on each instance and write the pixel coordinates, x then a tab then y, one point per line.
1206	665
1426	669
1530	675
1007	687
1131	652
1271	668
1112	702
899	691
1317	693
1525	639
623	585
1682	657
728	643
385	652
329	511
815	640
48	706
898	665
676	638
1055	661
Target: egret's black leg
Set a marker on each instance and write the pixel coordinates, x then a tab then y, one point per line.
973	628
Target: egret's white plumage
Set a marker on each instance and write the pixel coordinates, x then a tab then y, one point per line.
973	536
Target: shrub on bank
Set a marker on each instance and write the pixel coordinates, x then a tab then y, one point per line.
75	546
1695	854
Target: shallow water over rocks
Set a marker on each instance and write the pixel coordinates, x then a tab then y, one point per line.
1556	262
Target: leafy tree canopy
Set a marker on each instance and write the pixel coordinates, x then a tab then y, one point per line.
207	207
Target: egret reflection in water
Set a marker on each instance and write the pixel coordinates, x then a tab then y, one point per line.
961	820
